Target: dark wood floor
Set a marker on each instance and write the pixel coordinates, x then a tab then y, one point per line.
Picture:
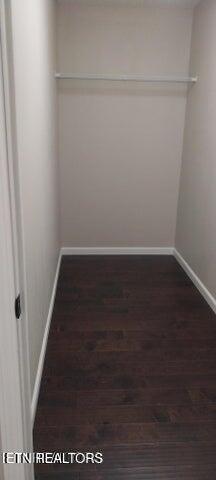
130	371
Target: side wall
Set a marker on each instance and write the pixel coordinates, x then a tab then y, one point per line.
121	144
196	226
33	30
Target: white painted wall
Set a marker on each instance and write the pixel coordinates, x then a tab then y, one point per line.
33	25
121	145
196	226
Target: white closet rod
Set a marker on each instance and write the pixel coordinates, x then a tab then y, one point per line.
127	78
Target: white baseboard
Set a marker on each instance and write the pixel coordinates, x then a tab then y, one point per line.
196	280
44	345
117	251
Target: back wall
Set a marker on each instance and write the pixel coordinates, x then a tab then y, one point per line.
121	144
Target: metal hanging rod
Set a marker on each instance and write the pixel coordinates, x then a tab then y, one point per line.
126	78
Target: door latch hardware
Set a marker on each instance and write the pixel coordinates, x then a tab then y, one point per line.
18	307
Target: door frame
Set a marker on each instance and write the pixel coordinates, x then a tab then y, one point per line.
15	392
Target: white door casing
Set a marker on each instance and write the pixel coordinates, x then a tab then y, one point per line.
15	420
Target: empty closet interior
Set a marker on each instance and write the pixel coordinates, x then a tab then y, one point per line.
115	117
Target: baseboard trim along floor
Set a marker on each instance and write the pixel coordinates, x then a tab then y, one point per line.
117	250
196	280
44	344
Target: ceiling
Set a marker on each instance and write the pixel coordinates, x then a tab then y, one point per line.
152	3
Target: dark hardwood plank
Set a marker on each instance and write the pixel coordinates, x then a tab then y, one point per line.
80	380
103	434
102	398
66	416
130	341
145	455
166	473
